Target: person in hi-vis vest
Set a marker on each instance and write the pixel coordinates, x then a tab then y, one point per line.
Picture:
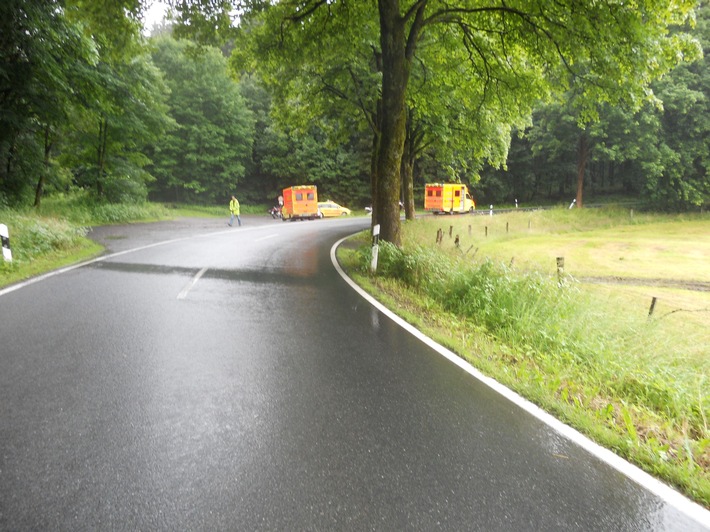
234	210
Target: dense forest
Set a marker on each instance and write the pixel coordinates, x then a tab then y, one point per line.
93	103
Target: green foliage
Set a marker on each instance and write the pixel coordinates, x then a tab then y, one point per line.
656	149
204	159
110	137
44	58
314	51
33	237
81	208
84	100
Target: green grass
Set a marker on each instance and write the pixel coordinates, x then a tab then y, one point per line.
80	209
40	244
592	241
586	352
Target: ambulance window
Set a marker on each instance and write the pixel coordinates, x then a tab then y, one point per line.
299	196
430	193
438	193
310	195
457	193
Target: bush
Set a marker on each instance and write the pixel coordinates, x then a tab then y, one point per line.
32	237
82	208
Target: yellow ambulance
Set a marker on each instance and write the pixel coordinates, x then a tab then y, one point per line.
448	198
300	203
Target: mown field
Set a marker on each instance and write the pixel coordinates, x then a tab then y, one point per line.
578	342
627	257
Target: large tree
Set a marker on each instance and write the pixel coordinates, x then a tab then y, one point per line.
659	152
204	158
77	94
616	47
44	59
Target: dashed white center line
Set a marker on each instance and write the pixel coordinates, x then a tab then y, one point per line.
193	281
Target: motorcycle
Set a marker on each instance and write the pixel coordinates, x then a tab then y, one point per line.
275	212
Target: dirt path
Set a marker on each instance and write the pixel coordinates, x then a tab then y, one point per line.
697	286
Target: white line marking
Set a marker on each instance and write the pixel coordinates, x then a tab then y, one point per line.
652	484
82	264
193	281
47	275
265	237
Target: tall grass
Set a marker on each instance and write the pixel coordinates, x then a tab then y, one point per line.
631	382
31	236
80	208
39	244
55	234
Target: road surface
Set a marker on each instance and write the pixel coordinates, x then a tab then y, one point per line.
201	377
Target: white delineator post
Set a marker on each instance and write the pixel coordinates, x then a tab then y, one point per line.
375	247
5	237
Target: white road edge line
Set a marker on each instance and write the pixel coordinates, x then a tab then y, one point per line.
265	237
193	281
652	484
82	264
47	275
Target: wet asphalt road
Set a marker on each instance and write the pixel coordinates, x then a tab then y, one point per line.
229	379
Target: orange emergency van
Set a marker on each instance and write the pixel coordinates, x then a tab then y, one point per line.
300	203
448	198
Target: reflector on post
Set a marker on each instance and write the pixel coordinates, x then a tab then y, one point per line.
5	237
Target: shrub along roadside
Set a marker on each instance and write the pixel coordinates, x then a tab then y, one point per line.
597	369
42	244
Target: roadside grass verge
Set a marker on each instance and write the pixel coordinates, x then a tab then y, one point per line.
80	209
587	353
40	244
210	211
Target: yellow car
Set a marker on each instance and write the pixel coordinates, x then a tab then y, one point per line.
330	208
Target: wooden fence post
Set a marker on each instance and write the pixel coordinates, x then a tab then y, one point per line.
560	269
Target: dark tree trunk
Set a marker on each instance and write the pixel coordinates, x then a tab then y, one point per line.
397	50
407	170
373	175
9	162
39	190
101	155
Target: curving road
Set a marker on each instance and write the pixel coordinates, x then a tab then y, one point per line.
201	377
